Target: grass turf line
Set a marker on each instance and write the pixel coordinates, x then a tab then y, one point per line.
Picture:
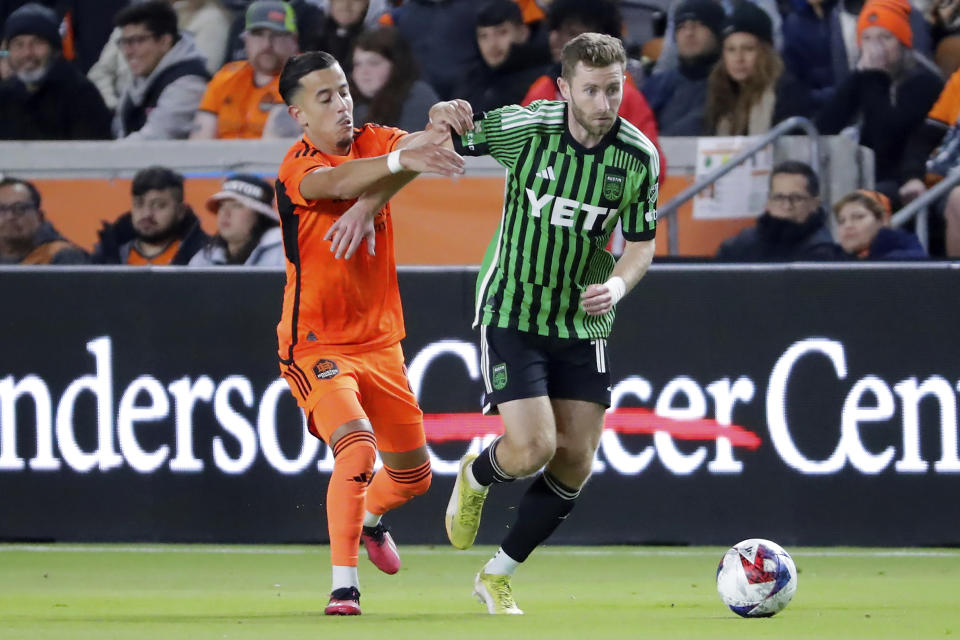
181	591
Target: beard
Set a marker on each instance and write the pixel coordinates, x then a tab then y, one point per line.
157	236
33	77
268	63
592	128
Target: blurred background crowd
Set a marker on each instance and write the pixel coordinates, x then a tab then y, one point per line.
883	72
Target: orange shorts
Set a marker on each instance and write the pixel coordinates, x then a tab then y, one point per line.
335	388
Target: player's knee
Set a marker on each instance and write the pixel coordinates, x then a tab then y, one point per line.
357	450
420	487
537	454
576	461
411	483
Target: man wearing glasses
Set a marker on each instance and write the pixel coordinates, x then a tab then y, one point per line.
793	227
169	74
26	237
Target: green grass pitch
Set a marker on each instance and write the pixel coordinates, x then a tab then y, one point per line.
144	592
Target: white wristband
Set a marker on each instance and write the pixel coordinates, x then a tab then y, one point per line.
393	162
617	288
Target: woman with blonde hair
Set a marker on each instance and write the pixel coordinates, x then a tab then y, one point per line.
748	91
864	231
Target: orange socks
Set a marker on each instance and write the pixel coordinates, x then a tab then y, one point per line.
354	455
393	487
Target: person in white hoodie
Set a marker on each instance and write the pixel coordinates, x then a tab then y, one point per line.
169	74
248	226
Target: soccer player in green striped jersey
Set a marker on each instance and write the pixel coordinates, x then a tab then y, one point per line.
547	292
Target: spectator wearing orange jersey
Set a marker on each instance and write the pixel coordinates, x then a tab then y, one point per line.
241	95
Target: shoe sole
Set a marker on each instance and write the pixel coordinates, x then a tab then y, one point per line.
452	507
341	611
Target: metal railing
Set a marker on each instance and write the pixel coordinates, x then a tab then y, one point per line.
919	208
669	210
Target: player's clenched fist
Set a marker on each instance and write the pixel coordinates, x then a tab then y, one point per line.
456	114
432	158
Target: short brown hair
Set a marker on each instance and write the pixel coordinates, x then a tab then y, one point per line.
868	199
592	49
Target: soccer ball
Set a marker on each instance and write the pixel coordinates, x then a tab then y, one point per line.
756	578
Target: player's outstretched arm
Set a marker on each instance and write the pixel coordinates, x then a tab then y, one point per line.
351	179
356	223
599	299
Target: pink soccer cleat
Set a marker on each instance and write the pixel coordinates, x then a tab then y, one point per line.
381	549
344	602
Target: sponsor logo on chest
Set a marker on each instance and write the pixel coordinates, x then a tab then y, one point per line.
564	212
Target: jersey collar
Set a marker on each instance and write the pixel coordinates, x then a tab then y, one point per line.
605	142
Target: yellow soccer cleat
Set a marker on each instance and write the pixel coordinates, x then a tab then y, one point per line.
496	593
463	510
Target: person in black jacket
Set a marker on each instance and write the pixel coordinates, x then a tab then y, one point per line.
748	91
159	229
511	60
677	96
889	94
864	231
794	226
46	98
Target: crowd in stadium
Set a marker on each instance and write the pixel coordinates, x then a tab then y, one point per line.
882	71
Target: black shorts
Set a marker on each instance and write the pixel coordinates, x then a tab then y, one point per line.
515	365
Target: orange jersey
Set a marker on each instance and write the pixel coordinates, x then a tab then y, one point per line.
165	257
351	305
240	106
947	107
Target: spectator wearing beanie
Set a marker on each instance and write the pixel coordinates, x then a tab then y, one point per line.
667	59
248	226
863	229
678	96
749	91
820	42
45	98
888	96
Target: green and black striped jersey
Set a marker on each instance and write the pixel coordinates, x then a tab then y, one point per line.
561	203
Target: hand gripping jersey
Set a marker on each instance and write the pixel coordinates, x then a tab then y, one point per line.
348	305
561	203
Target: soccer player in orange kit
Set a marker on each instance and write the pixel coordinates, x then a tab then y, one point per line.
342	322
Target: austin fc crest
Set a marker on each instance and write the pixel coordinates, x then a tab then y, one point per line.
500	376
613	186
